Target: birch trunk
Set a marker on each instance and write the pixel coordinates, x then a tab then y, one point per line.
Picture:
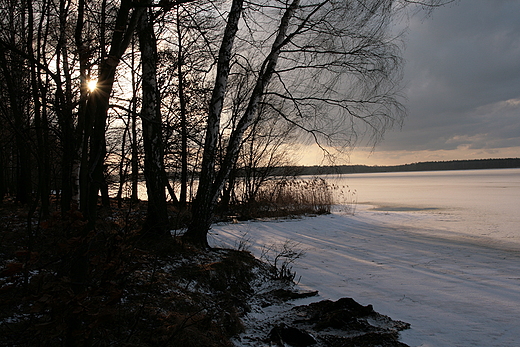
204	203
263	79
211	184
157	215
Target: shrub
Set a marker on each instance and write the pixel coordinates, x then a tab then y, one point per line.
280	259
286	197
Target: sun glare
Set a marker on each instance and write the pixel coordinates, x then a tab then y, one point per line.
91	85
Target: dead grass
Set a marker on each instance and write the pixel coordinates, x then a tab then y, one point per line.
288	197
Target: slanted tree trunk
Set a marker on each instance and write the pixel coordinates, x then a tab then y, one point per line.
157	214
206	198
263	79
211	184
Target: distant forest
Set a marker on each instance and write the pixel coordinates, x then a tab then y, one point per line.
477	164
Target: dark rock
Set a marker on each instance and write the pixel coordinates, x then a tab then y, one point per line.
344	304
291	336
347	323
342	314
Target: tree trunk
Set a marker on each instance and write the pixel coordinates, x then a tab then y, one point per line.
82	132
205	200
134	142
135	156
210	184
97	106
3	186
157	214
183	125
40	122
122	168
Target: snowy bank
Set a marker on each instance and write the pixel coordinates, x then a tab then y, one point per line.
453	289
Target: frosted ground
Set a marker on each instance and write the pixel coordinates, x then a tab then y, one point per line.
440	251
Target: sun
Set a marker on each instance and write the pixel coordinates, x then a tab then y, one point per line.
91	85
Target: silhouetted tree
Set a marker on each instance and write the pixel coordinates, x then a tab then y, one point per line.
157	215
333	62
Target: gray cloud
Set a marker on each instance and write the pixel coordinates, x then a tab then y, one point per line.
463	79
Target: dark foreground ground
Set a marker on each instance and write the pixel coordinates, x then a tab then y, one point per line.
117	287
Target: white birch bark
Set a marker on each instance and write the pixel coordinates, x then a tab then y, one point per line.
204	203
266	72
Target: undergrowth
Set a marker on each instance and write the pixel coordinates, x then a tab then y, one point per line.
280	258
287	197
135	292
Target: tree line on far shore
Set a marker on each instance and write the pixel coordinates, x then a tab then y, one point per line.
472	164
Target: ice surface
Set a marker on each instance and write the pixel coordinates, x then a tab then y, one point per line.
470	202
448	262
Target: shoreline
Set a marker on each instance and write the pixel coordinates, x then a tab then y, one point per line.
452	293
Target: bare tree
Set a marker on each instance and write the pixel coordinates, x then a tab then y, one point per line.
157	216
98	103
263	153
188	44
332	63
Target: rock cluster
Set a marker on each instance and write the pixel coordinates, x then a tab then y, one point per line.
338	323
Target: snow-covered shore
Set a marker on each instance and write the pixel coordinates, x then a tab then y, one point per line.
454	290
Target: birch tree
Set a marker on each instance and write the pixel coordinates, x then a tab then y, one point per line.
333	64
157	216
206	198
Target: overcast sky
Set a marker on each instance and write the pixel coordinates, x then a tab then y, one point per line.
462	82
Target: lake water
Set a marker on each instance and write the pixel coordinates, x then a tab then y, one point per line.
479	204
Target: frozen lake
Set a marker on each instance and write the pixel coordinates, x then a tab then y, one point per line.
439	250
479	204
